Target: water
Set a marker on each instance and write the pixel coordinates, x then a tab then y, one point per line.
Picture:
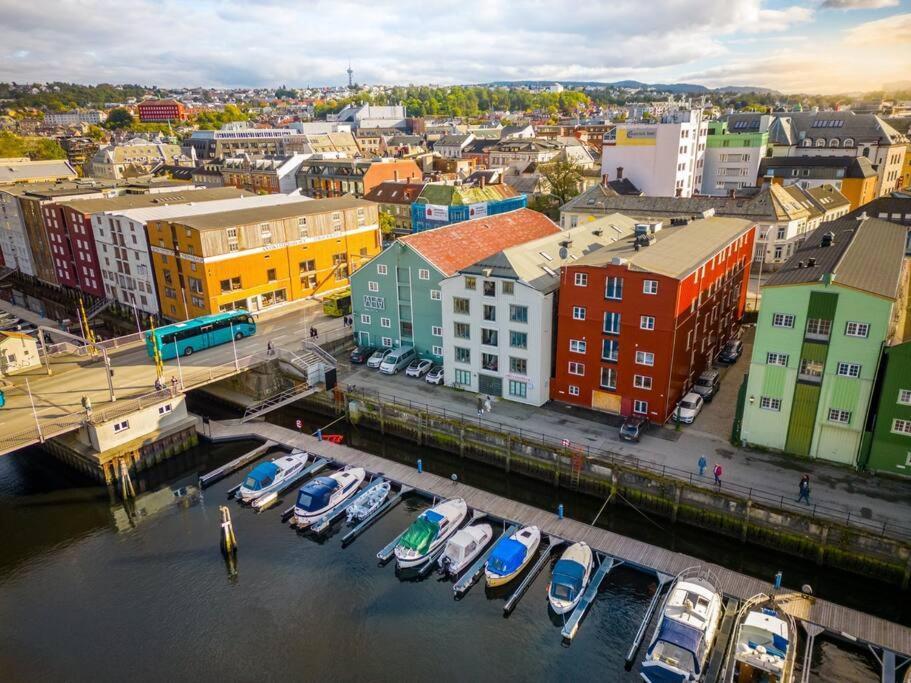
90	592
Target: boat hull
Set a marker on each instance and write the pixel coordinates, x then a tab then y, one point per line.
581	554
405	560
303	519
246	495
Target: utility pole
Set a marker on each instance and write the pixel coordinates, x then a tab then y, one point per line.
34	412
109	373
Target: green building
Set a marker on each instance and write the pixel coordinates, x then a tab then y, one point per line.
890	443
825	318
396	297
733	151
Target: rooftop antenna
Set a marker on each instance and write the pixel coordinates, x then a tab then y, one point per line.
350	75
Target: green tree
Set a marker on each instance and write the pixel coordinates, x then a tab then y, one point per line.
119	118
564	178
12	145
387	222
95	133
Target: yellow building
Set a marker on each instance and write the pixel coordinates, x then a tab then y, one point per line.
259	257
906	169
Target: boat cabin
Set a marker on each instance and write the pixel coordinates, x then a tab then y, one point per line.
317	494
762	648
678	645
507	556
567	580
261	476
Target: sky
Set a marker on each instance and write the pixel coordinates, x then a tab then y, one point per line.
812	46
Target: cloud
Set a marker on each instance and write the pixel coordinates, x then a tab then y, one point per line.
858	4
894	30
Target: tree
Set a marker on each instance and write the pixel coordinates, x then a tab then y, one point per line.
95	133
12	145
387	223
119	118
564	178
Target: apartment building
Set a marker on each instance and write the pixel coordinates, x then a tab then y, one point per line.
854	177
396	199
75	117
440	204
732	154
321	178
641	318
18	170
516	153
255	258
161	111
236	139
135	158
263	174
664	158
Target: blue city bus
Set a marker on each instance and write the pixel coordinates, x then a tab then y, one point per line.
200	333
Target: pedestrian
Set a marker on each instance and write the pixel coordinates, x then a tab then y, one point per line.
488	404
173	385
315	332
158	384
717	471
480	406
270	348
804	494
87	404
703	463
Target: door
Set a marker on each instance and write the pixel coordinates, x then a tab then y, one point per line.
363	338
603	400
488	384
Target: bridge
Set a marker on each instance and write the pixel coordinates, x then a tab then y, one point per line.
46	401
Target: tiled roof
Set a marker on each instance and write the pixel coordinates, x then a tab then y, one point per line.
395	193
306	206
460	195
459	245
826	197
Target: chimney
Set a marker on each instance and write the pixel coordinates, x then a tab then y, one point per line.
863	216
483	181
619	173
811	262
395	174
605	178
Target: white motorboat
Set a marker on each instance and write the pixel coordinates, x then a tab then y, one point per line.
683	640
323	494
368	502
464	546
511	555
429	531
570	578
763	645
271	476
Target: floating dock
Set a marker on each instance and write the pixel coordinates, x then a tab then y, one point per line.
220	473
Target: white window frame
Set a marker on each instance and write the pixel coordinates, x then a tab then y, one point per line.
774	358
853	329
904	397
385	322
646	322
578	312
576	368
573	390
785	320
436	295
165	409
649	286
581	279
844	369
387	342
365	318
839	416
577	346
423	274
373	286
121	426
769	403
640	407
642	358
902	427
642	382
436	331
437	350
381	269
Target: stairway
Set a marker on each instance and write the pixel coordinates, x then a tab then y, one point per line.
98	308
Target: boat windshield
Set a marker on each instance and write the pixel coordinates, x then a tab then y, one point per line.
260	476
251	483
561	591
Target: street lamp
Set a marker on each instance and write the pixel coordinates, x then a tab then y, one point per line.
234	347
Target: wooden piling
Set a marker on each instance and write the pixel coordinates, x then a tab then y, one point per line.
228	540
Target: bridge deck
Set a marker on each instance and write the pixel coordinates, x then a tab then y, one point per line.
835	618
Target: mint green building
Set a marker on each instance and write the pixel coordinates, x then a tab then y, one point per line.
825	318
733	150
890	441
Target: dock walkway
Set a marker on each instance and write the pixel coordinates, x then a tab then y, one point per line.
835	618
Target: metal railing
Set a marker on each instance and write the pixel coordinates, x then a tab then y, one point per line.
768	499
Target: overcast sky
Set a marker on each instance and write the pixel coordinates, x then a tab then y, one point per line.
793	45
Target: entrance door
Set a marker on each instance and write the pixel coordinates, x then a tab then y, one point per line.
363	338
488	384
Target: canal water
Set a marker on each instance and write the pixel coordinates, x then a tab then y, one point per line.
93	590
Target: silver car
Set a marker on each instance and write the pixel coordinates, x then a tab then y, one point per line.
435	376
376	359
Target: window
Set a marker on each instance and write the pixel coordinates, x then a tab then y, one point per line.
518	314
642	382
839	416
265	233
848	369
647	322
610	350
507	287
336	221
406	328
576	368
640	407
121	426
810	370
578	313
904	396
461	330
490	361
613	288
365	318
769	403
853	329
612	323
230	285
461	306
608	378
581	279
777	359
195	285
462	355
782	320
573	390
423	274
387	342
489	337
649	286
471	283
577	346
435	295
817	328
490	288
463	377
518	340
901	426
518	389
376	302
437	350
518	365
373	286
385	322
165	409
490	313
270	275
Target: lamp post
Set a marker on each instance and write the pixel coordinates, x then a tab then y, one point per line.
108	372
234	347
179	369
34	412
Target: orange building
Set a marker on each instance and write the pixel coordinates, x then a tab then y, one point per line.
260	257
854	177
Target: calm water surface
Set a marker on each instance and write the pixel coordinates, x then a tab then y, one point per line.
91	590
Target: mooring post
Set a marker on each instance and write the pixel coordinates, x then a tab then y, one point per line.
778	577
560	511
420	466
228	540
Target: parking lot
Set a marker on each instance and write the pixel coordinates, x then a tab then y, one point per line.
717	415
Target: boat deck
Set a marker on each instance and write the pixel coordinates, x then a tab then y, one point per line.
830	616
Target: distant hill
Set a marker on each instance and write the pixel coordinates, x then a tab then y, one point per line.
692	88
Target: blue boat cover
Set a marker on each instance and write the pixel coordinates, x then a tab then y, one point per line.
507	556
433	516
566	581
315	495
263	472
683	636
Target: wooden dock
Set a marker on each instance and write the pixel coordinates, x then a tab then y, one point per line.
837	619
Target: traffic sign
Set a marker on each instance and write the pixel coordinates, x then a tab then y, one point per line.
565	443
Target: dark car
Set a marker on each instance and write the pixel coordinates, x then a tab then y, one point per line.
731	351
360	354
632	427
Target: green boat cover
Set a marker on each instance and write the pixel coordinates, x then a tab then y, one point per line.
420	535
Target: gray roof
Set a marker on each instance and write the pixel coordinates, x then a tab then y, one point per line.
453	140
789	128
895	208
226	219
139	201
865	254
820	167
826	197
17	171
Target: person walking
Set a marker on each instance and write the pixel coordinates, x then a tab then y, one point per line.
158	385
804	494
480	406
173	385
717	471
87	405
703	463
270	348
488	404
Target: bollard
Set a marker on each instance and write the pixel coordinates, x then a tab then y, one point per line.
778	580
560	511
420	466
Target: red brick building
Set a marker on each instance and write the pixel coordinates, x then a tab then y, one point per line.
157	111
640	319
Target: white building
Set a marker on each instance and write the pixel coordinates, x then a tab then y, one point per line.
451	146
663	158
370	116
75	117
13	240
498	314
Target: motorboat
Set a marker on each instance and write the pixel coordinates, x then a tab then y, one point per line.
464	546
570	578
272	475
368	502
763	645
323	494
683	639
511	555
429	531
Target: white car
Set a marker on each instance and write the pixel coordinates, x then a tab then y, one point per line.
418	368
376	359
689	407
435	376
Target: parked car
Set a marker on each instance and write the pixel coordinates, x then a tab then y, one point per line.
689	407
418	368
361	354
731	351
397	360
708	384
376	358
632	427
435	376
